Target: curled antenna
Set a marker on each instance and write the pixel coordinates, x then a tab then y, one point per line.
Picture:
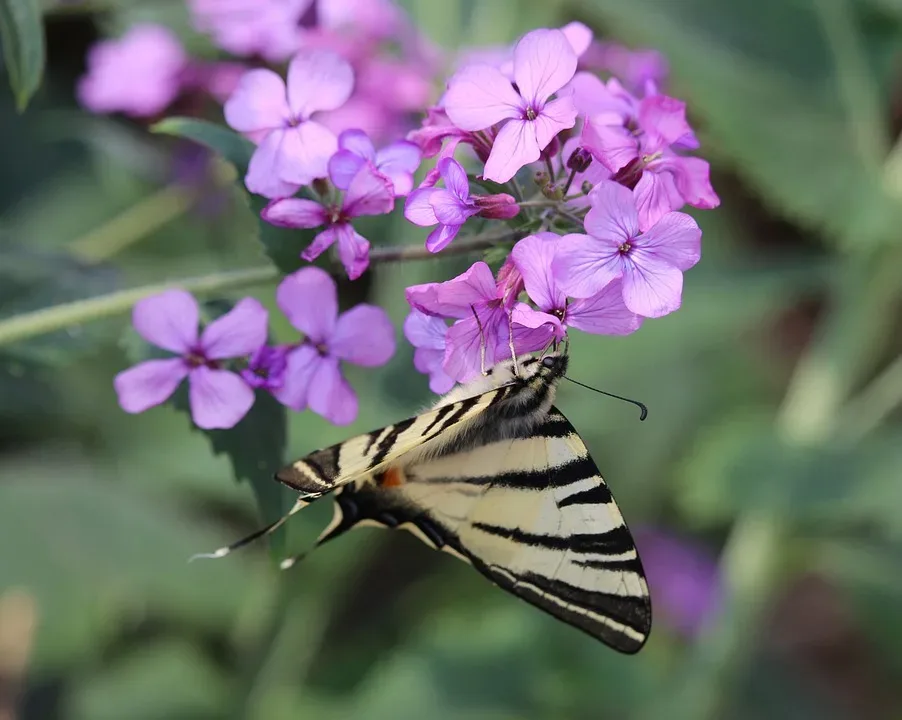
643	411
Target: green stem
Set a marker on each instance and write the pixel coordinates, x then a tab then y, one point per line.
867	410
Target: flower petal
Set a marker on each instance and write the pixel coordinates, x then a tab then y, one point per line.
258	102
578	35
455	177
294	213
424	298
305	152
651	288
557	115
612	145
604	313
582	267
399	161
300	365
359	143
472	288
439	381
370	193
441	237
310	302
663	119
425	331
534	330
613	218
364	336
544	62
330	395
463	350
693	179
239	332
675	239
318	80
322	242
449	209
353	250
218	398
262	172
479	96
168	320
148	383
343	166
656	195
418	208
514	146
534	256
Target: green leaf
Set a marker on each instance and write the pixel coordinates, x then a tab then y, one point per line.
282	246
22	34
778	99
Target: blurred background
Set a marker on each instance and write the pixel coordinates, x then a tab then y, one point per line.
764	490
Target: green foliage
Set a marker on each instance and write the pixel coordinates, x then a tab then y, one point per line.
22	34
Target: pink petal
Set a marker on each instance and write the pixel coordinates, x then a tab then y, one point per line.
218	398
693	179
330	395
310	302
148	383
168	320
612	145
604	313
578	35
370	193
318	80
258	103
418	208
663	119
462	352
534	256
652	289
675	239
656	195
343	166
613	218
479	96
425	331
305	152
300	365
399	161
449	209
583	266
534	330
544	62
424	298
353	250
441	237
322	242
474	287
262	171
294	213
455	177
514	146
439	381
592	97
359	143
239	332
557	115
364	336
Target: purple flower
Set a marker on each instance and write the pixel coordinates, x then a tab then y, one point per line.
363	336
252	27
398	161
139	74
369	193
449	207
219	398
427	334
471	295
266	367
480	96
682	576
650	264
663	180
639	69
602	314
293	150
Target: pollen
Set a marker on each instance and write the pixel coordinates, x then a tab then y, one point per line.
393	477
530	114
625	248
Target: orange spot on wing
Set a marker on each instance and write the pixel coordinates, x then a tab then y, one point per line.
393	477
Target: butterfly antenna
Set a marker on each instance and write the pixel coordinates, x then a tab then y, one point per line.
510	342
290	562
262	532
643	411
481	341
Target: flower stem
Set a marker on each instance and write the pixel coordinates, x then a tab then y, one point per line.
569	182
458	247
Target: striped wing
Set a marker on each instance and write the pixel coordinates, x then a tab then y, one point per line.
324	470
533	515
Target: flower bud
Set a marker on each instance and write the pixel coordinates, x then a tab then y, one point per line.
553	192
509	282
321	186
586	187
497	207
579	160
541	178
630	173
552	148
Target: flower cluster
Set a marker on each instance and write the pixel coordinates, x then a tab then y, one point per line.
562	154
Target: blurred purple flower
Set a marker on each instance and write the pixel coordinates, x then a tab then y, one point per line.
682	576
398	161
482	310
650	264
602	314
266	367
427	334
369	193
269	28
362	336
639	69
293	150
449	207
218	398
138	74
480	96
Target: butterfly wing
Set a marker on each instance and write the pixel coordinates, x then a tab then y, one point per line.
532	514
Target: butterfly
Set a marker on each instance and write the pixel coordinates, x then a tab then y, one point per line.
495	475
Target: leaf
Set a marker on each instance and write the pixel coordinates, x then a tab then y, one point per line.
22	34
282	246
769	94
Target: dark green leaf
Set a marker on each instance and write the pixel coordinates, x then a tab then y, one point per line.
22	34
283	246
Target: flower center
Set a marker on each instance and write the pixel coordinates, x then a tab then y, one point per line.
530	114
195	359
625	248
334	215
322	348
